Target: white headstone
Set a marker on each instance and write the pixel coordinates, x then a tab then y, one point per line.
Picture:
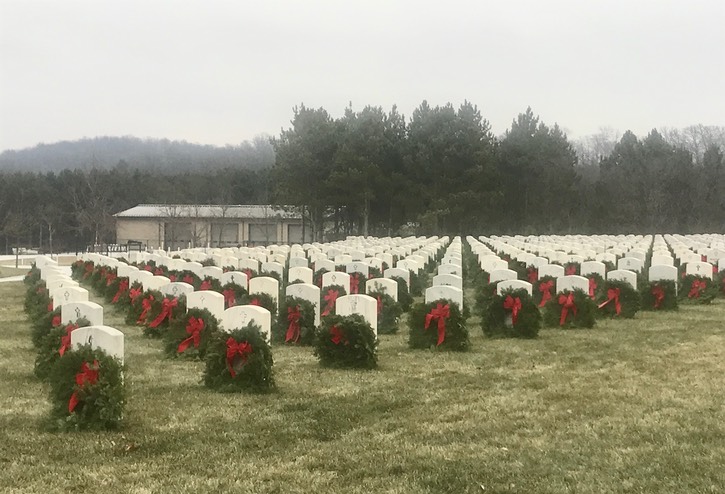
176	289
451	293
513	285
298	262
552	270
209	300
623	275
699	268
593	267
67	294
72	311
502	274
364	305
449	280
236	277
399	273
108	339
571	283
239	316
385	285
336	278
630	264
309	292
303	274
154	282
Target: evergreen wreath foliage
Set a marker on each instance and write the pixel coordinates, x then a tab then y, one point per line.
572	268
404	298
249	369
210	283
188	335
361	282
235	291
262	300
630	301
483	294
32	276
49	349
585	313
100	401
389	312
133	306
324	304
418	283
456	334
37	300
273	274
598	283
690	294
76	269
346	342
317	277
374	272
305	323
43	324
528	320
659	295
156	324
720	281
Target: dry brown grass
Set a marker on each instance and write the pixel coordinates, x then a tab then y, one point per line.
630	406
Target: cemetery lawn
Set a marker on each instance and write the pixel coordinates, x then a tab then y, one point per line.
6	271
630	406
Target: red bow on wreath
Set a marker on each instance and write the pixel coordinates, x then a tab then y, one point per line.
545	289
293	330
205	285
570	270
255	301
134	293
167	306
380	305
188	279
697	287
337	336
146	304
194	328
172	278
159	272
659	294
592	287
355	283
613	295
230	297
567	304
532	275
330	298
441	313
87	375
65	339
243	349
514	305
122	287
110	278
89	270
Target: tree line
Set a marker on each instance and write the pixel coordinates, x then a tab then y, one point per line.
376	172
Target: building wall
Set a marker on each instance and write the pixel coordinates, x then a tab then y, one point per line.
147	231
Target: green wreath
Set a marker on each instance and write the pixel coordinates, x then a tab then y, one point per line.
296	322
361	282
98	402
389	312
629	299
32	276
483	295
572	268
133	302
54	345
555	315
37	300
418	283
598	283
317	277
346	341
660	295
43	324
404	298
164	310
189	334
453	336
262	300
233	294
76	269
327	304
697	290
495	324
210	283
720	281
239	360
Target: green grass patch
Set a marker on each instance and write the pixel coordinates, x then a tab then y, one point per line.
6	271
628	406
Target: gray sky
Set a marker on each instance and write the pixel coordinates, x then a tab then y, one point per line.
221	72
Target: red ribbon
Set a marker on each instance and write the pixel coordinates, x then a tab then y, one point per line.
545	289
592	287
146	304
172	278
188	279
110	278
167	307
337	336
65	339
659	295
50	306
205	285
532	275
703	258
87	375
134	294
89	270
697	287
248	272
380	305
330	298
230	297
158	272
570	270
567	304
56	321
441	313
255	301
148	268
514	305
293	330
355	283
194	328
613	294
243	349
122	287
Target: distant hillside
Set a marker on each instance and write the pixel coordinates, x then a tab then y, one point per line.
132	152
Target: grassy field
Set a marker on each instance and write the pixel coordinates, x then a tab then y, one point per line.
6	271
630	406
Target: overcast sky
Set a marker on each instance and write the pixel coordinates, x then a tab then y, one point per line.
221	72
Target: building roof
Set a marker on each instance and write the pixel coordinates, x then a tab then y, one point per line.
235	211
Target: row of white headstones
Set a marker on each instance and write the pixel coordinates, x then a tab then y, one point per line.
628	253
74	300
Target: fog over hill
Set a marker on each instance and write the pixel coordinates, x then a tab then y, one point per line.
133	152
